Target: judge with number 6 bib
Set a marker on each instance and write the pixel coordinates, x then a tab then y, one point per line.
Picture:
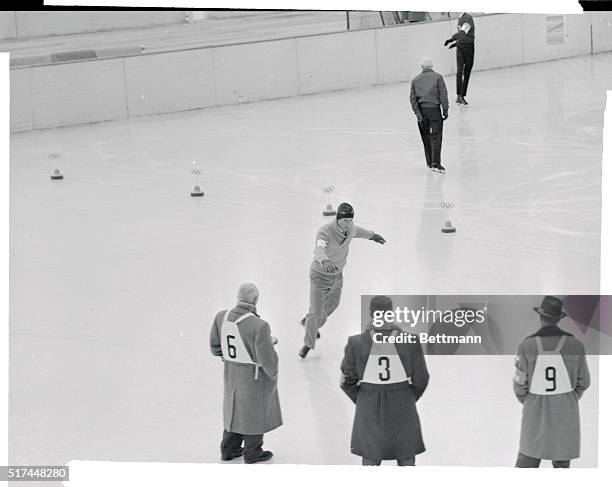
250	400
384	380
551	376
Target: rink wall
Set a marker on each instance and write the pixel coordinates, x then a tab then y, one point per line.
114	89
23	24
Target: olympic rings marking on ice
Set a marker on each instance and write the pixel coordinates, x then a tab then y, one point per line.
447	205
328	189
55	155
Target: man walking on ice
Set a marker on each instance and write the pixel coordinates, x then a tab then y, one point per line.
331	251
428	94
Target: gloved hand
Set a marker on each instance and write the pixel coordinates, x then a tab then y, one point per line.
444	115
378	239
448	41
329	266
419	117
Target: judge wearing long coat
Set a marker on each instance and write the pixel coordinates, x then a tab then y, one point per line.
386	424
251	405
550	426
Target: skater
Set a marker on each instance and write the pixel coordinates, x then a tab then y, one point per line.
463	40
551	376
331	251
427	94
384	381
250	400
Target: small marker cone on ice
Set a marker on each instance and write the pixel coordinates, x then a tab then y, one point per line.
57	175
196	192
329	209
448	227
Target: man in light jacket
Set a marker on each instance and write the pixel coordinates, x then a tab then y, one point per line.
551	376
250	399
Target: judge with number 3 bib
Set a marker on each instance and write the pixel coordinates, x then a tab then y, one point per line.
551	376
384	380
250	400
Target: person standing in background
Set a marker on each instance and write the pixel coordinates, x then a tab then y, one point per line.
551	376
463	40
428	94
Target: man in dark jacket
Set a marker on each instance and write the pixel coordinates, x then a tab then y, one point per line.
427	94
384	380
250	395
551	376
463	40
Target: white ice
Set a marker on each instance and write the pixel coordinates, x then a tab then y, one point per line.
116	272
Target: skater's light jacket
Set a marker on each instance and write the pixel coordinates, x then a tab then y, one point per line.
551	375
333	243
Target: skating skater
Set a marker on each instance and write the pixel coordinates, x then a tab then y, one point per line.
551	376
250	399
463	40
384	381
427	95
330	254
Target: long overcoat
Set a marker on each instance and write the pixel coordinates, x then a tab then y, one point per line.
550	426
250	405
386	424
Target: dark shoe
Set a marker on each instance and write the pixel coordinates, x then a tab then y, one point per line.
439	168
230	456
264	457
458	100
304	351
429	165
303	323
463	101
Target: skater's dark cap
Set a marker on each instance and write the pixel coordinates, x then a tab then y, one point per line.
380	303
551	307
345	210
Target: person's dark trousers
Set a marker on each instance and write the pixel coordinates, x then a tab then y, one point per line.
405	462
431	134
232	442
523	461
465	61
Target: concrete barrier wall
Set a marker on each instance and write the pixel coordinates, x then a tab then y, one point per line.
601	24
78	92
258	71
337	61
71	93
41	23
400	49
169	82
7	25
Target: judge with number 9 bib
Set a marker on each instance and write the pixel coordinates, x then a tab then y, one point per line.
250	400
551	376
384	380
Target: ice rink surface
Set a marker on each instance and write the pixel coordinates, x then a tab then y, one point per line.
116	272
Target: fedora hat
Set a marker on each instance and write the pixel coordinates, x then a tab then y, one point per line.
551	307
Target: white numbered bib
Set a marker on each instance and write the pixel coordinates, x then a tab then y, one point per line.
232	346
550	375
384	365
